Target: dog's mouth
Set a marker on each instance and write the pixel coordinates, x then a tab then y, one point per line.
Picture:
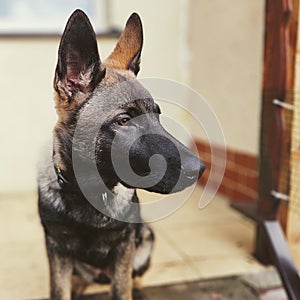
171	181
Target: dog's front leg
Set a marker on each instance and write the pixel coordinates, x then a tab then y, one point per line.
61	269
121	286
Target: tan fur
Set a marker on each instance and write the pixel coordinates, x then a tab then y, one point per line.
137	283
78	285
61	269
62	104
122	274
64	107
128	46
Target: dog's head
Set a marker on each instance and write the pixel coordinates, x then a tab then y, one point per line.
130	129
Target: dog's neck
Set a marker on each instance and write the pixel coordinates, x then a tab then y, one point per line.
115	199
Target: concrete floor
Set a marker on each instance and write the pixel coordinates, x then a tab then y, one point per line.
264	285
192	244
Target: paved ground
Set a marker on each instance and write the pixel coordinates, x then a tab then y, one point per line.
201	290
265	285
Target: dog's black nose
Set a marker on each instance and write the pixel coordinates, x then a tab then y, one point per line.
193	170
201	169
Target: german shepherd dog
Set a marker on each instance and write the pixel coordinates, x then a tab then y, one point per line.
85	245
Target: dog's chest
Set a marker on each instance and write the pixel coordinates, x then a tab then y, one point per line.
90	245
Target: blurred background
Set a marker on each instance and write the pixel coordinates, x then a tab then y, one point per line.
230	52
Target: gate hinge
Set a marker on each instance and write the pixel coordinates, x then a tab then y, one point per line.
279	196
283	104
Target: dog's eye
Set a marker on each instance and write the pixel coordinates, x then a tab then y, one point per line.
123	121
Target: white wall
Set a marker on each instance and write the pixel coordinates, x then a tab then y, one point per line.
162	22
226	41
26	108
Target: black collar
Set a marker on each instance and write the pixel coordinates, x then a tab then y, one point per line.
60	177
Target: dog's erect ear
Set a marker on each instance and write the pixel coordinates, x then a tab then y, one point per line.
127	52
79	67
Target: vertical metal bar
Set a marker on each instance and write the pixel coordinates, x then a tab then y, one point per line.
282	258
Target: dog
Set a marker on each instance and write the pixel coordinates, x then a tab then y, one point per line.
83	244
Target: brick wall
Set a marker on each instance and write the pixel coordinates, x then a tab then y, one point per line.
240	182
